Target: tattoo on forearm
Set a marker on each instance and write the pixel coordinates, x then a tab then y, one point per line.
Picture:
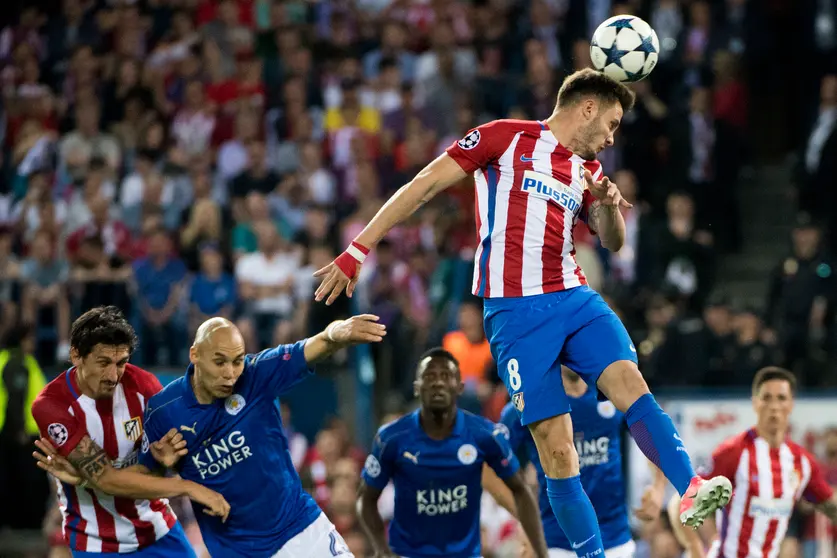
89	459
593	215
829	508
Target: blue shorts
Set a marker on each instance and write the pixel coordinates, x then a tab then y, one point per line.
174	544
532	336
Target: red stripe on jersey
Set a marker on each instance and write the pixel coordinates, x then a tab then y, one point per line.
776	470
127	507
107	526
80	529
516	219
753	490
552	257
159	507
107	523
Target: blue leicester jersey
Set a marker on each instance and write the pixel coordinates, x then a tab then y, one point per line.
597	426
238	448
438	483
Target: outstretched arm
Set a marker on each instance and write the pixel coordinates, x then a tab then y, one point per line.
342	333
434	178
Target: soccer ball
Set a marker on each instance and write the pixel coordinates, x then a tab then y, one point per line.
625	48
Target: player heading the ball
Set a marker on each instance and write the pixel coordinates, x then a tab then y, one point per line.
534	181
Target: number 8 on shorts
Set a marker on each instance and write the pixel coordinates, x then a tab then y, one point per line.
514	375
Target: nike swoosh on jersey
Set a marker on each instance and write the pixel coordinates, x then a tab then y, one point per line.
526	159
576	546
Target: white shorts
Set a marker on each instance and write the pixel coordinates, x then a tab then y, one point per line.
622	551
318	540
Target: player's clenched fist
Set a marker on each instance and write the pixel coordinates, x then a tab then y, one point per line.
605	191
214	503
357	329
341	274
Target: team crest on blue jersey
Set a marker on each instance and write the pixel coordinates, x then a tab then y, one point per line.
606	409
517	400
234	404
470	141
144	446
372	466
467	454
133	428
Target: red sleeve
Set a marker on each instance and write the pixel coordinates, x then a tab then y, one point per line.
146	383
725	459
818	490
57	424
480	146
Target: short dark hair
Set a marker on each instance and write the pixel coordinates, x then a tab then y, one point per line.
769	373
105	325
438	352
590	83
17	334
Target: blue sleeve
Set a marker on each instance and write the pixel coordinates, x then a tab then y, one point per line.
498	453
153	428
275	371
379	464
517	432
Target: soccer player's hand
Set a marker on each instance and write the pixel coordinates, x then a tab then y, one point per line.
49	460
651	504
605	191
214	503
357	329
341	274
169	449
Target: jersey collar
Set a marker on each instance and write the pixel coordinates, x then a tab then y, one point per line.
458	423
188	390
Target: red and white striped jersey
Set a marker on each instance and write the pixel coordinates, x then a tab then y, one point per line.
767	483
530	191
94	521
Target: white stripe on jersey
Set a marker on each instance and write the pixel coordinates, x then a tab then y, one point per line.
536	209
758	536
87	510
737	508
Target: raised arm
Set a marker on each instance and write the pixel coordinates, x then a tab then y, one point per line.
342	273
371	520
603	213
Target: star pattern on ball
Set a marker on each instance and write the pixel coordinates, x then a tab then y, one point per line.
647	46
621	24
614	55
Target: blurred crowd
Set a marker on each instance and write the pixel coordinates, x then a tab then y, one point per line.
190	158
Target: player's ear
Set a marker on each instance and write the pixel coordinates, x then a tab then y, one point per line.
193	354
75	357
589	108
416	392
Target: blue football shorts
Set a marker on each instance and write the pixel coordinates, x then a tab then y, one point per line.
532	336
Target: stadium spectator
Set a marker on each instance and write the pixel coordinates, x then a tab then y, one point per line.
44	286
159	279
213	290
21	380
801	299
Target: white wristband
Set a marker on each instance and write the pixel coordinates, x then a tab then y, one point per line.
356	253
329	330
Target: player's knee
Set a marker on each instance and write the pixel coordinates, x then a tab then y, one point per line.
554	439
623	384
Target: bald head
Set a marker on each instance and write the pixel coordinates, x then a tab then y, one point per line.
218	356
209	327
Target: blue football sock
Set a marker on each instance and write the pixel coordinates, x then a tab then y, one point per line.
575	515
654	433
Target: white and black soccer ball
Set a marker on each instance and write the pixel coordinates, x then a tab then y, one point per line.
625	48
